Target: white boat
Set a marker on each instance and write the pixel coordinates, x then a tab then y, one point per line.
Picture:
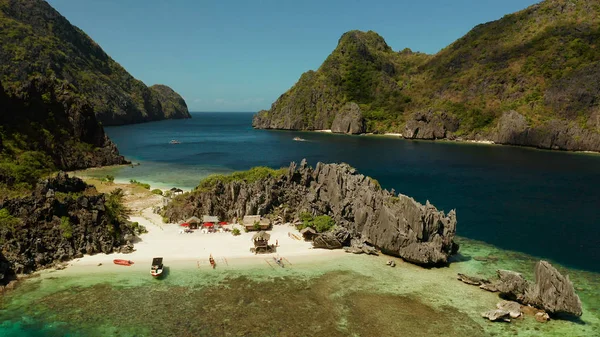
157	267
298	139
173	141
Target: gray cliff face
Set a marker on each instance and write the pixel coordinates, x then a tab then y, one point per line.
429	125
513	129
45	237
396	224
349	120
551	292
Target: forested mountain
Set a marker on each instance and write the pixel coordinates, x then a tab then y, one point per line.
531	78
37	41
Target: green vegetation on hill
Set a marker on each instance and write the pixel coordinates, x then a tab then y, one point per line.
543	62
37	41
250	176
45	127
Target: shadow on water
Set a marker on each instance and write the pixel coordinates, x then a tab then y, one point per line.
570	318
165	273
458	257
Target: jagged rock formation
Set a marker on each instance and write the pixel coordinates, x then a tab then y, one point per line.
349	120
540	63
44	116
555	134
395	224
36	39
551	292
62	219
429	125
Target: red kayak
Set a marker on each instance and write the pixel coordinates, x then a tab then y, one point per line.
123	262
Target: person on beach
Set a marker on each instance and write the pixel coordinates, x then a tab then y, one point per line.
276	243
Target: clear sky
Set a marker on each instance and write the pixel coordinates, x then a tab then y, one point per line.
225	55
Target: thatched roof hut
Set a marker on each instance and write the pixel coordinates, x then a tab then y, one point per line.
308	233
193	222
261	236
250	221
210	218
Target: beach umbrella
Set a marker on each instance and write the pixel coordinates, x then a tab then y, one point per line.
208	224
185	224
222	223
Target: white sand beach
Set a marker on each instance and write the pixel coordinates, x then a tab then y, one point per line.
193	249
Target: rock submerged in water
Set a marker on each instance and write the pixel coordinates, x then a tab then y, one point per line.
497	315
551	292
394	224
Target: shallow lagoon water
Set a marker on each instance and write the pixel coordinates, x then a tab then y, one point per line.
347	296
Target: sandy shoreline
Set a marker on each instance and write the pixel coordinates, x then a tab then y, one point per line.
192	250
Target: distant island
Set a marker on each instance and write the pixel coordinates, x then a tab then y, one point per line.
530	79
37	41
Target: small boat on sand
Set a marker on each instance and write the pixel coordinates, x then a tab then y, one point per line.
173	141
157	267
298	139
123	262
279	261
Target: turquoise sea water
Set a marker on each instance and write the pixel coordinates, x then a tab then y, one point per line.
523	204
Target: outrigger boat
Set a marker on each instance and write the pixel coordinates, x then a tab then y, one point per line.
298	139
157	267
123	262
173	141
279	261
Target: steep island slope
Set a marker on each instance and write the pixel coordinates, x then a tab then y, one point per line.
530	78
46	219
36	40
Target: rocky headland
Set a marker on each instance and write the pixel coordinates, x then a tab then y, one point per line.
363	212
62	219
551	293
527	79
37	40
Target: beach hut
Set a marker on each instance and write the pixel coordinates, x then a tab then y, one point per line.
308	233
176	191
194	222
254	222
261	242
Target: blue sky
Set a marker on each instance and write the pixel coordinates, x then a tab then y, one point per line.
241	55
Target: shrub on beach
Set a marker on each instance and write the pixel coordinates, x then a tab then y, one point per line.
321	223
236	232
143	185
157	191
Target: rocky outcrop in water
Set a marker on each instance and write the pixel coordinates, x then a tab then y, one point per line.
395	224
349	120
63	219
429	125
551	292
513	129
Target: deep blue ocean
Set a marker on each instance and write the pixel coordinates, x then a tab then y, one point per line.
543	203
